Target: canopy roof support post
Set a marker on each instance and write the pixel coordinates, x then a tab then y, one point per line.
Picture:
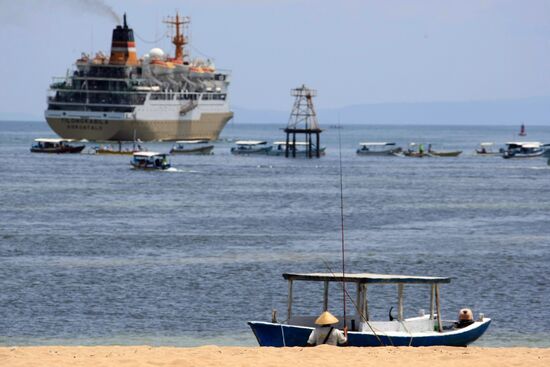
432	291
400	301
325	297
289	306
437	302
286	146
359	301
365	308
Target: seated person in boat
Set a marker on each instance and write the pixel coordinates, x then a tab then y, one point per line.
326	333
465	318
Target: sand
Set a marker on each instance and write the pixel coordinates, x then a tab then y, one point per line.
268	357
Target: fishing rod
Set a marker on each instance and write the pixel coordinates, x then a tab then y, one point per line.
342	224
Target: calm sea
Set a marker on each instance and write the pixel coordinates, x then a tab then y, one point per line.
92	252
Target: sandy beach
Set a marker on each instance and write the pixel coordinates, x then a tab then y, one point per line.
269	357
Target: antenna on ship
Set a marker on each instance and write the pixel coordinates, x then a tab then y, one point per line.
179	40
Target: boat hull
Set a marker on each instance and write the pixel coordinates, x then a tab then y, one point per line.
199	151
59	150
208	127
389	152
445	154
281	335
522	155
255	151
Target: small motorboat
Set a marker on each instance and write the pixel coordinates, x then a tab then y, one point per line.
198	147
300	149
120	150
150	161
523	149
47	145
248	147
420	331
487	149
378	149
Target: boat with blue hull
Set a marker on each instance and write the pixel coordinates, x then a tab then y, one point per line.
424	330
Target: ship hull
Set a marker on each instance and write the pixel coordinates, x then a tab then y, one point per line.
208	127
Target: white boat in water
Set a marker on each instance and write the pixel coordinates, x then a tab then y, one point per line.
423	330
247	147
192	147
488	149
298	149
150	161
378	149
523	149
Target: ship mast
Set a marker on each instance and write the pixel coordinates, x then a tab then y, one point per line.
179	40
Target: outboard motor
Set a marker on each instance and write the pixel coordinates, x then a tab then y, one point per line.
465	318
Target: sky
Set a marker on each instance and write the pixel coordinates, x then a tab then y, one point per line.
352	51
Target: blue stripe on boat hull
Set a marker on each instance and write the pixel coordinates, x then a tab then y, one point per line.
279	335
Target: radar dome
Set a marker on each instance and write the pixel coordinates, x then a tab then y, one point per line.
156	53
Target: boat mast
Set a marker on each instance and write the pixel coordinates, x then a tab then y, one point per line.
179	40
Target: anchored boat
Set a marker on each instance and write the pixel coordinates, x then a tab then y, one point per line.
298	149
150	161
378	148
423	330
525	149
47	145
487	149
247	147
199	147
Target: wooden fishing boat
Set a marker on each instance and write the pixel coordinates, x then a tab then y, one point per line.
442	153
416	150
248	147
47	145
150	161
378	149
110	150
423	330
196	147
487	149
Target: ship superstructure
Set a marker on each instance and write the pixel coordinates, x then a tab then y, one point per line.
156	97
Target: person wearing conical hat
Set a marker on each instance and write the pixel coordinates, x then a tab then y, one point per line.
326	333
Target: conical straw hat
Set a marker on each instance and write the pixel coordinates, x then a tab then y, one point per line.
326	318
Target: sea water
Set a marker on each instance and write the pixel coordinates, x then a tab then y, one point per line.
93	252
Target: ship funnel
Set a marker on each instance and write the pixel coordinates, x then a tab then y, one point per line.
123	46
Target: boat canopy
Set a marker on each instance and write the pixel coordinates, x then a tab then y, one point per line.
52	140
148	154
366	278
376	143
303	143
250	142
526	144
192	141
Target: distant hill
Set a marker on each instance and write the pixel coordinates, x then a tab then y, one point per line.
531	111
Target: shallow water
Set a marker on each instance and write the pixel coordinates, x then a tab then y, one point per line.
92	252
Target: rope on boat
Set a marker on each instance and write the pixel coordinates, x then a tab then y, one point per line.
283	335
363	317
